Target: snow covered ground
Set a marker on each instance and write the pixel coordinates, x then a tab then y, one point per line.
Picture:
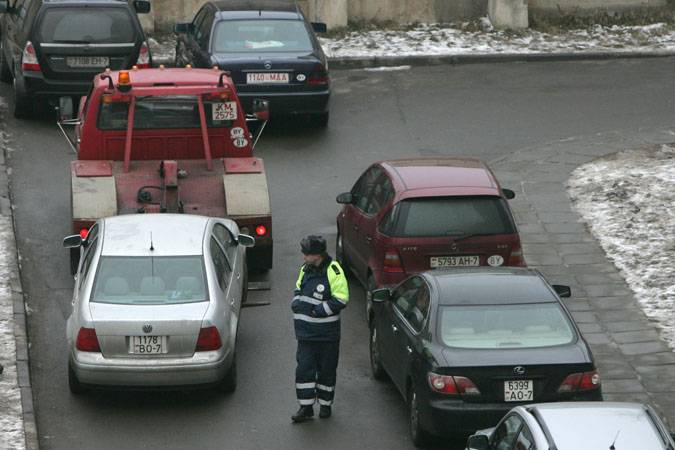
628	200
474	39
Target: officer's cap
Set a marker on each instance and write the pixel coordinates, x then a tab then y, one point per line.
313	245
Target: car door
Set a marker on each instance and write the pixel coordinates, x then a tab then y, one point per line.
226	292
369	242
230	245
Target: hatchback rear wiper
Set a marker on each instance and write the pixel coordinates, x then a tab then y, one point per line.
470	235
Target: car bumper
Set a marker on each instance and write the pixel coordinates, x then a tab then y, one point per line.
202	368
39	86
315	102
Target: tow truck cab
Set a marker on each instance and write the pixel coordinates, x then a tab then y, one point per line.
169	140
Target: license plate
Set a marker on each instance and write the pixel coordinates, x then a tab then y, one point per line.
147	345
519	391
454	261
224	111
87	61
267	78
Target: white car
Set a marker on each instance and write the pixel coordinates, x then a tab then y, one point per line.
156	302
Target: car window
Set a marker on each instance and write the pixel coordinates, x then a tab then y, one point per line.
364	186
505	326
204	33
197	21
144	280
87	258
89	25
387	223
383	192
504	436
524	440
220	264
261	36
454	216
411	299
226	240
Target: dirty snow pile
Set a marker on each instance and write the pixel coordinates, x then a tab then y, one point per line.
628	200
438	40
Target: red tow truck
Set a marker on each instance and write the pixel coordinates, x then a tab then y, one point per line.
169	141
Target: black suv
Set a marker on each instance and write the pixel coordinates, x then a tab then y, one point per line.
54	48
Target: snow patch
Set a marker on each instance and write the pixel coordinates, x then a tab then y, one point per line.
628	201
387	68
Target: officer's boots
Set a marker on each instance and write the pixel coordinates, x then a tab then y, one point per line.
325	412
304	414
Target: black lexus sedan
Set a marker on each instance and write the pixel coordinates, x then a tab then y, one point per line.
464	346
269	47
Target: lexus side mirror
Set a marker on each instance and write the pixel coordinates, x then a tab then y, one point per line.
509	194
142	6
4	8
182	28
562	291
345	198
381	295
261	109
246	240
478	442
319	27
74	241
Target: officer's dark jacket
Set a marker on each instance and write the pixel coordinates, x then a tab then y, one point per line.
321	293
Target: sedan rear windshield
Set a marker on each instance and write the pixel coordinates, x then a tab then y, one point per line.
149	280
505	326
87	26
261	36
449	216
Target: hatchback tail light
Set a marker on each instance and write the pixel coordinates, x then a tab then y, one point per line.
392	262
29	59
516	259
143	61
452	385
209	339
319	76
87	341
579	382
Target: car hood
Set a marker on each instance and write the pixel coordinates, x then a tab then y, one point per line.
567	354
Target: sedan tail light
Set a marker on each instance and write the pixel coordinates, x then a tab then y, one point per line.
143	57
516	259
209	339
319	76
579	382
29	60
392	262
452	385
87	341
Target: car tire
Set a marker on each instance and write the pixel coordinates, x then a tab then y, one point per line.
370	287
375	364
74	260
5	72
23	103
340	254
76	388
419	436
229	383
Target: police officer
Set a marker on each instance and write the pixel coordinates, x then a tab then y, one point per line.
320	294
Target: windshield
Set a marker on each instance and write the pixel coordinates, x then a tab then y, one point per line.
149	280
251	36
87	26
451	216
176	111
504	326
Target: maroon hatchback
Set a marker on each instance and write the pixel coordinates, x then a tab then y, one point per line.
408	216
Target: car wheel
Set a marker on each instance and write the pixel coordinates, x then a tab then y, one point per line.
74	260
229	383
23	103
418	435
5	72
370	287
74	384
375	364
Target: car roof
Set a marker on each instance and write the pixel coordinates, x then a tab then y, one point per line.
490	286
169	234
443	172
168	76
79	2
257	5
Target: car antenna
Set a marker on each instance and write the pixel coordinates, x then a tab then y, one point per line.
612	447
152	246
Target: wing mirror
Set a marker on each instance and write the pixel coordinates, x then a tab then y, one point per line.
246	240
319	27
562	291
381	295
509	194
346	198
74	241
142	6
183	28
478	442
4	7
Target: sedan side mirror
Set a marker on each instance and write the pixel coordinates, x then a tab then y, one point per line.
509	194
478	442
381	295
183	28
74	241
319	27
142	6
346	198
562	291
246	240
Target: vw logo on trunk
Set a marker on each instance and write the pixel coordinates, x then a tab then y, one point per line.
268	65
147	328
519	370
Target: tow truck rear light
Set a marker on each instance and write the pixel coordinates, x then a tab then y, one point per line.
209	340
29	60
84	232
318	77
579	382
218	96
143	61
87	341
516	259
452	385
392	262
261	230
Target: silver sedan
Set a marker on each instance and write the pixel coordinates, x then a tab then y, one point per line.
156	302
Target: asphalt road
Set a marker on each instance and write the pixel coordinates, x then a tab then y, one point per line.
480	110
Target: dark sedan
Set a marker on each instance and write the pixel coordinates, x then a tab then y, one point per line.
464	346
269	47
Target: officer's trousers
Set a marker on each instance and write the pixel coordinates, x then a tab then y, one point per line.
315	375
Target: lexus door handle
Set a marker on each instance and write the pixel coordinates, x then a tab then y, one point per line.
369	239
409	349
394	328
356	228
232	302
238	275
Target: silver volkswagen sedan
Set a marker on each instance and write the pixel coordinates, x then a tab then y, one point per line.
156	302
